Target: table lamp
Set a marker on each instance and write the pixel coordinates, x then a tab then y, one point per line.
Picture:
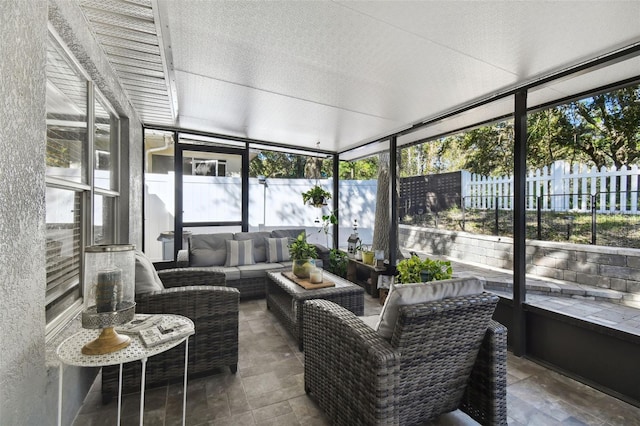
109	277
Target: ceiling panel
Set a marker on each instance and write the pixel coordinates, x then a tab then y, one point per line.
346	73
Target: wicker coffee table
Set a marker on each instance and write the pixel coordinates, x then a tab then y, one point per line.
285	299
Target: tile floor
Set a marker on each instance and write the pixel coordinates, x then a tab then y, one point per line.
268	389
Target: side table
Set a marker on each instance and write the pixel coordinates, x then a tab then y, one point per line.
370	283
69	353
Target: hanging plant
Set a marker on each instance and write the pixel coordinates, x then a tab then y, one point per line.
316	196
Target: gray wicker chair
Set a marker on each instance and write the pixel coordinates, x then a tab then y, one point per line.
442	356
201	296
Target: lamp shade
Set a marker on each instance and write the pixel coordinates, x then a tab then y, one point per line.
109	277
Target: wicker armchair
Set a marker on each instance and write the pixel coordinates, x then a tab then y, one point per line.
442	356
201	296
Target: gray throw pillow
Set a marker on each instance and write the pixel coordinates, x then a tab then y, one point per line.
147	278
277	250
239	253
208	249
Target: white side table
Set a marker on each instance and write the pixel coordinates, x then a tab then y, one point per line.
69	352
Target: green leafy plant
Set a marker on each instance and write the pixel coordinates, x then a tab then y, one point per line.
316	196
300	249
327	221
338	262
409	270
303	255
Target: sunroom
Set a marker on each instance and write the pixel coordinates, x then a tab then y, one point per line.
504	137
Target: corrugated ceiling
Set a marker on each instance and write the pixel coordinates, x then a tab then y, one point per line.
128	34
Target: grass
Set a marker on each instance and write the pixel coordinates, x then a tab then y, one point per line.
619	230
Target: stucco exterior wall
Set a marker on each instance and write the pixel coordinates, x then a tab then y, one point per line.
22	199
28	379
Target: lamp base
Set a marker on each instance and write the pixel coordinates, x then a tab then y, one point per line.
108	341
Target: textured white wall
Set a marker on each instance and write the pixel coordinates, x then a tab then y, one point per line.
23	31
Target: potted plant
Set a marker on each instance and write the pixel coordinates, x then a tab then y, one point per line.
303	255
338	262
316	196
415	270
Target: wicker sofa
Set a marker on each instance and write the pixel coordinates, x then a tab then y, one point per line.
442	355
200	295
210	252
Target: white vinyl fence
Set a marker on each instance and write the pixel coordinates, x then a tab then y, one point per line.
559	188
278	204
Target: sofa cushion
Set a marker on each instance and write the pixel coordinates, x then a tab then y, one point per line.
277	249
291	234
239	253
147	278
259	245
258	270
410	294
208	249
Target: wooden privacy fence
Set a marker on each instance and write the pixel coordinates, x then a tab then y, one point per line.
558	188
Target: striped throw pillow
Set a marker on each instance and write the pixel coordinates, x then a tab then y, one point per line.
239	253
277	249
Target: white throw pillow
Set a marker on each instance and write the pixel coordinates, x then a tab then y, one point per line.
410	294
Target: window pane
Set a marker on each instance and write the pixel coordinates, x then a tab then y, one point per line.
104	214
159	187
66	117
208	195
63	221
105	147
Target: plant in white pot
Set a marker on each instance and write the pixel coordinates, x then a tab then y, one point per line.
303	255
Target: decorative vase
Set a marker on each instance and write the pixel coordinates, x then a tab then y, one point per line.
301	268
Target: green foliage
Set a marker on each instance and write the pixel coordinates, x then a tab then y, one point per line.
315	196
409	269
300	249
327	221
364	169
338	262
274	164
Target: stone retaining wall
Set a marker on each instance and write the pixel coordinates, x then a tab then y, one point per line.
599	266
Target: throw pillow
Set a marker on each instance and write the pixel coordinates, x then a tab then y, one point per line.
410	294
277	250
239	253
147	278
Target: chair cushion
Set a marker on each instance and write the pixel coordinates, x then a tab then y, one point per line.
147	278
239	253
277	249
208	249
410	294
259	247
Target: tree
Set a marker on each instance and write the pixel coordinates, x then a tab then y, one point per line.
363	169
274	164
382	220
610	127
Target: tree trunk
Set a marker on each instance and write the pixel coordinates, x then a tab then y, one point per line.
382	219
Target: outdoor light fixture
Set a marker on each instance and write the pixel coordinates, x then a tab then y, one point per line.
109	276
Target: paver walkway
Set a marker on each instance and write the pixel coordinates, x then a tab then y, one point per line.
610	308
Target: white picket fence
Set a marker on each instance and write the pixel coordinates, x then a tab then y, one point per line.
559	188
